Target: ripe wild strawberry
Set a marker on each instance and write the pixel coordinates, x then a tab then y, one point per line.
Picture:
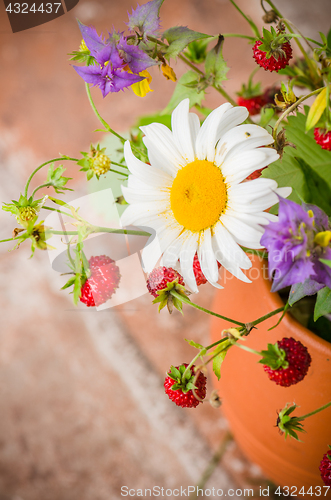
102	283
157	280
178	386
198	274
253	104
255	175
289	362
323	138
272	52
325	467
271	63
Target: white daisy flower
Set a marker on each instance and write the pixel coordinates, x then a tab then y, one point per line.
193	194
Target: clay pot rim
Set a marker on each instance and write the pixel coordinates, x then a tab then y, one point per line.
306	336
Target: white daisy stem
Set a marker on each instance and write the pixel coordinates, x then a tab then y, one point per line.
187	301
315	411
292	108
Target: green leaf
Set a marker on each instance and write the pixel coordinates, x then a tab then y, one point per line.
315	190
194	344
215	65
178	38
197	51
217	363
287	172
157	118
300	290
317	109
328	37
181	92
77	288
327	262
323	303
56	179
219	354
69	283
266	116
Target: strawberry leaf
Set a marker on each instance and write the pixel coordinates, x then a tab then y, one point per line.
323	303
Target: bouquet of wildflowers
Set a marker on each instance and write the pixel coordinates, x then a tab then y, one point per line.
208	187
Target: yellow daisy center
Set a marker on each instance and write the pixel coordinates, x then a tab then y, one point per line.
198	195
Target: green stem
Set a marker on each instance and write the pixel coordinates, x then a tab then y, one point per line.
9	239
63	158
57	210
292	108
187	301
219	89
216	343
267	316
188	368
96	229
117	172
250	22
248	349
70	258
315	411
119	164
237	35
105	124
47	184
304	53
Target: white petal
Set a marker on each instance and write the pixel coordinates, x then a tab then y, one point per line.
253	219
156	245
237	168
284	192
223	244
186	257
231	251
207	259
239	139
145	173
207	136
134	196
181	129
242	233
140	213
162	150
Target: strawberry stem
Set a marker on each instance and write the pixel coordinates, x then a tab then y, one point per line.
292	108
315	411
187	301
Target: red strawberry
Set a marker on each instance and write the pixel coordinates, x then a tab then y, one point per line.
325	468
179	390
294	363
255	175
198	274
159	277
283	54
323	138
253	104
102	283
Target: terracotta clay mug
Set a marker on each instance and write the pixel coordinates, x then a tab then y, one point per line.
251	400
